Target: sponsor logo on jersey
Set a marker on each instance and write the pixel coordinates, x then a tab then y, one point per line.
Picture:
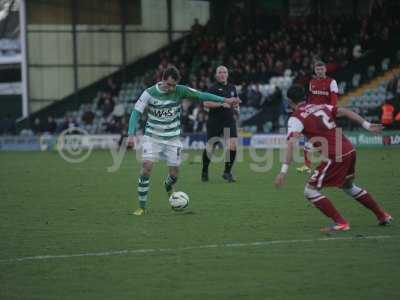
320	93
164	113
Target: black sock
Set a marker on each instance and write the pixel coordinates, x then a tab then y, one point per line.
206	161
229	164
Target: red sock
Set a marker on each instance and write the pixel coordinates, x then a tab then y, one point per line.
307	161
327	208
371	204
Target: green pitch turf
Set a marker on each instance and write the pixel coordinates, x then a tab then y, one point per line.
71	226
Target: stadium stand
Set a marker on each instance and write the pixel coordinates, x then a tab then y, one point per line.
262	62
368	99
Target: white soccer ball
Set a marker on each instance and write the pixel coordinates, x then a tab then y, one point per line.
179	201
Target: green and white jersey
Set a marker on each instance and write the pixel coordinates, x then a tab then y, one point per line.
164	111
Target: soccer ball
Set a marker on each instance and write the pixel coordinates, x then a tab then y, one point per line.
179	201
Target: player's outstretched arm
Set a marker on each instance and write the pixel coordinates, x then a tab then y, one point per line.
190	93
351	115
209	104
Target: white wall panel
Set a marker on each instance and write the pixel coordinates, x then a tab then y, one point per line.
50	83
140	44
88	75
99	48
50	48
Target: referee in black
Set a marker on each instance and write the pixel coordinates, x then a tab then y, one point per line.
220	117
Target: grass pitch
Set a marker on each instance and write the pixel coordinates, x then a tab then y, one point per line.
69	225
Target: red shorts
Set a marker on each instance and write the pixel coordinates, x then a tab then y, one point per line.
334	173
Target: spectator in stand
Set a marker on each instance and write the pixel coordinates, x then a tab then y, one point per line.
7	125
114	126
51	125
100	99
200	122
196	28
357	52
64	125
88	116
119	111
37	126
394	87
187	122
274	105
111	88
254	96
387	118
243	94
108	106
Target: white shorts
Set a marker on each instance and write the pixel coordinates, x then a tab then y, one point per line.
152	150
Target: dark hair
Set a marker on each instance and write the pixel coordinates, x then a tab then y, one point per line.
296	93
319	63
171	72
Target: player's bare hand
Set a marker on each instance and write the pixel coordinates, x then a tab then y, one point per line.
376	128
226	105
131	141
236	104
280	179
233	101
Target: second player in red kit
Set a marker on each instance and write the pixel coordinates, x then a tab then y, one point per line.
321	90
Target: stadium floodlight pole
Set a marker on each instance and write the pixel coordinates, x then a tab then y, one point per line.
24	58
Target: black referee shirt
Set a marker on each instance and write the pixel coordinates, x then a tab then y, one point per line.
222	113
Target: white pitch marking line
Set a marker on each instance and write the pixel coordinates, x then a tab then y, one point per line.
212	246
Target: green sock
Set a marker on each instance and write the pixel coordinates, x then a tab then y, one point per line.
169	182
143	190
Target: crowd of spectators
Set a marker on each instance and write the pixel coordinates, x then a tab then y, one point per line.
252	54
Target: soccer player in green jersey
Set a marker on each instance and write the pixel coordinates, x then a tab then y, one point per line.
161	138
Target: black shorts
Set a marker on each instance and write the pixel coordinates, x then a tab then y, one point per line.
216	129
